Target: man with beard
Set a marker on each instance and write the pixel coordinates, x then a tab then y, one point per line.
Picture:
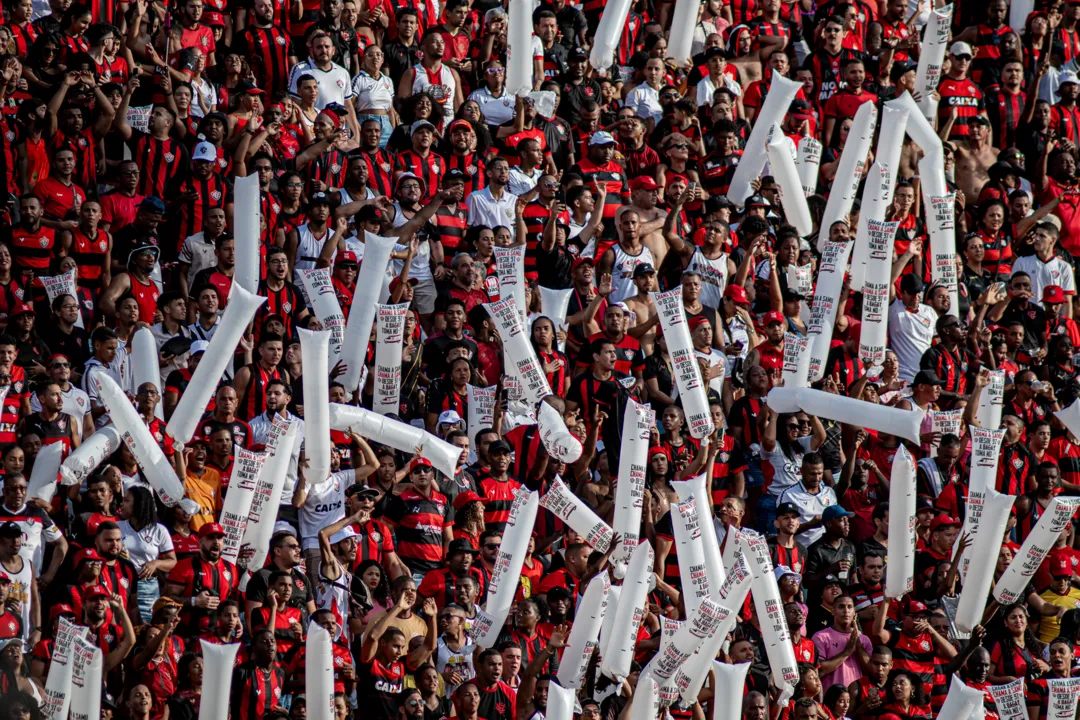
284	298
67	131
279	395
32	244
202	582
431	75
498	701
421	160
251	381
257	684
111	631
378	160
305	244
118	574
49	422
284	557
1038	693
75	402
219	275
464	158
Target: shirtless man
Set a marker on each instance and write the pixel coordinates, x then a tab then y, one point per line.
644	194
974	156
643	310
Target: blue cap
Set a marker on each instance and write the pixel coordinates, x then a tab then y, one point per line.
152	204
835	511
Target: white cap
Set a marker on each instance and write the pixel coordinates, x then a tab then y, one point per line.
282	526
343	534
601	137
449	417
1067	76
198	346
782	570
205	151
961	48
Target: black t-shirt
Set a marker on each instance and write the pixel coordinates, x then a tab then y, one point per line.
74	345
573	97
554	267
378	686
435	353
301	594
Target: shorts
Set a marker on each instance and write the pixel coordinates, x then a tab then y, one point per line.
754	475
766	514
424	295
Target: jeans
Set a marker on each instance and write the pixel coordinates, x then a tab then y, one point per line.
384	123
766	514
148	592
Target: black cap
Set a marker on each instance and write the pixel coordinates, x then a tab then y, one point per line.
10	531
979	119
361	491
927	377
899	70
787	508
790	295
644	269
757	200
578	54
499	446
461	545
923	503
320	198
715	51
454	174
830	579
800	107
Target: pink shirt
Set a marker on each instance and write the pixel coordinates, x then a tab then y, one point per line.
830	643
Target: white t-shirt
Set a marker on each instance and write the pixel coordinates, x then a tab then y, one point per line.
811	505
646	102
497	110
910	335
325	505
198	253
787	472
147	544
76	405
486	210
335	84
1044	274
372	94
38	528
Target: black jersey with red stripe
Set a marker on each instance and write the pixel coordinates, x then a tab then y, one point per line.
255	691
272	48
473	166
420	520
159	161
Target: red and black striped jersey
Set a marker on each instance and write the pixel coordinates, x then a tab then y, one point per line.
288	302
441	584
9	159
441	397
89	254
987	49
1015	464
618	190
328	168
374	541
420	521
1066	454
473	166
268	50
32	249
793	557
951	367
213	192
255	691
536	215
84	145
255	393
25	35
826	69
430	169
557	378
450	224
1067	42
160	161
915	654
717	170
1005	110
1065	121
121	578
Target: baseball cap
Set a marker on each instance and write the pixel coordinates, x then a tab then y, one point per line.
362	491
979	120
659	450
923	503
248	87
460	125
757	200
900	69
397	281
4	577
420	124
455	175
96	591
943	520
787	508
644	269
782	570
20	309
1067	77
320	198
697	321
343	534
210	530
643	182
449	417
153	204
578	54
199	346
926	377
465	498
204	152
579	261
917	607
345	256
601	137
715	51
961	48
737	294
830	579
10	530
499	446
60	609
773	317
87	555
419	462
835	511
800	110
212	19
461	545
1060	566
1053	294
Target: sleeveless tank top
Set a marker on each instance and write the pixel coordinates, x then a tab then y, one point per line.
622	272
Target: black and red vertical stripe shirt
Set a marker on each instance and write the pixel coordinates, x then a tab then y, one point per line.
84	146
473	166
1005	110
373	542
915	654
268	50
329	168
536	216
212	192
255	691
1015	464
429	169
195	575
557	379
380	169
288	302
1068	42
987	49
160	161
1066	454
450	223
420	521
966	97
951	366
12	404
1065	121
525	440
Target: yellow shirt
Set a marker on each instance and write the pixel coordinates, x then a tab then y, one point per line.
1050	626
206	491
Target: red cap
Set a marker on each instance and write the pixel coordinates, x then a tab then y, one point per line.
737	294
532	275
345	256
96	591
696	321
644	182
1060	566
419	462
4	577
212	18
658	449
465	498
60	609
916	607
397	281
1053	294
943	520
210	529
773	316
87	555
20	309
579	261
460	125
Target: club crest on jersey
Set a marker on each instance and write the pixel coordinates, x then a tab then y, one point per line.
9	136
376	536
335	168
82	142
471	169
280	40
169	157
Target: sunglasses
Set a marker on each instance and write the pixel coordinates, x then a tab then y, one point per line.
793	426
58	365
679	146
488	546
495	71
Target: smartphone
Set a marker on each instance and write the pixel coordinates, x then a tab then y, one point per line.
560	195
691	189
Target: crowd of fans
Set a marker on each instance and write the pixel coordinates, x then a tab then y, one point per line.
124	127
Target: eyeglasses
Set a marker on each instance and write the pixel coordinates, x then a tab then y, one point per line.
69	306
294	185
264	168
495	71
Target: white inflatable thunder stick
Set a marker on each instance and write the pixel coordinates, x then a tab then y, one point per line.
900	573
369	284
984	552
319	287
931	57
849	171
878	186
519	61
585	632
319	673
782	163
669	307
573	511
218	662
874	333
507	574
1055	518
730	684
144	365
608	33
315	352
630	488
695	489
248	264
629	614
389	338
89	455
781	92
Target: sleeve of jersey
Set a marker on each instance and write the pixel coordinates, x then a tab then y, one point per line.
183	574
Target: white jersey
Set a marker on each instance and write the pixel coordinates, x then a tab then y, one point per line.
260	435
76	404
714	276
622	272
20	591
325	505
308	249
198	252
442	80
334	595
89	386
37	529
